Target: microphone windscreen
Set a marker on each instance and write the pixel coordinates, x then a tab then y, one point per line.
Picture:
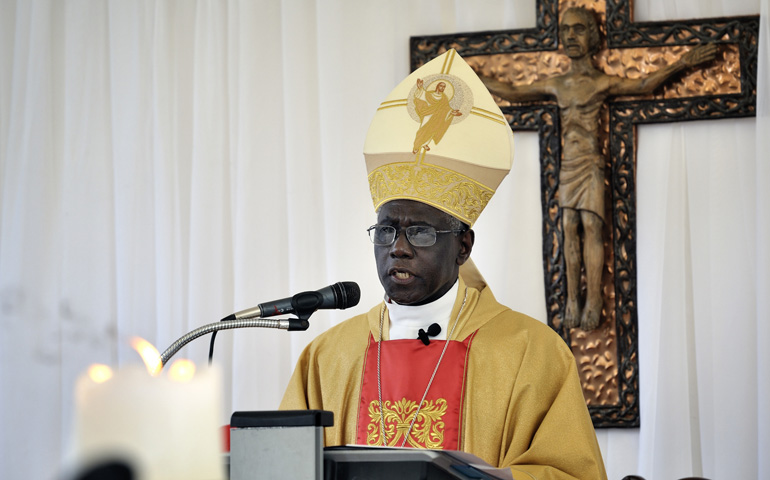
349	294
434	329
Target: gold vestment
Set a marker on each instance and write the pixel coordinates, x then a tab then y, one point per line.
524	406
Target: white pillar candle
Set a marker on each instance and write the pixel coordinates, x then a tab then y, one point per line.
163	429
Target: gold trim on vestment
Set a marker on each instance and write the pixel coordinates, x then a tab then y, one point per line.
448	60
392	103
488	115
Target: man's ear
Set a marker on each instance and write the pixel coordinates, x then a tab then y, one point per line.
466	246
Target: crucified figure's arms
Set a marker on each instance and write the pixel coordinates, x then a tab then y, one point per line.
648	84
538	90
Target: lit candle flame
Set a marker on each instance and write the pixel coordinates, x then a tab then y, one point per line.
181	370
149	354
99	373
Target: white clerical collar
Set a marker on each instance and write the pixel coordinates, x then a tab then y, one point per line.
407	320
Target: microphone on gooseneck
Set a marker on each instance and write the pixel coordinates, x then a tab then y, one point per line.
340	296
433	330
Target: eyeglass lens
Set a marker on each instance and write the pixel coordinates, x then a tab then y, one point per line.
418	235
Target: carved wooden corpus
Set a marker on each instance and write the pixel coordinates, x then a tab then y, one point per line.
724	88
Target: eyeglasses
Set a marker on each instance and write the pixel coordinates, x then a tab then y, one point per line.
418	235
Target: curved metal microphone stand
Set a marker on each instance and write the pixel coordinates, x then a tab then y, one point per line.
282	323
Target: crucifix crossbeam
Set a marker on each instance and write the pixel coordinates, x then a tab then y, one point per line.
518	56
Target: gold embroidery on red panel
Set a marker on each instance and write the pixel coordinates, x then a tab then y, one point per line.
428	430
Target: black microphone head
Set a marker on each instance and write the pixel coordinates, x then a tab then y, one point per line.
346	294
341	295
434	329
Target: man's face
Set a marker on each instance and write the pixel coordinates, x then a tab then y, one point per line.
418	275
575	36
440	87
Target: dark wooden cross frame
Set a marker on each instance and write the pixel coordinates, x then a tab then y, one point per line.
624	115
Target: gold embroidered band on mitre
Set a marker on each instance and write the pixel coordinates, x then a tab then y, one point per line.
449	191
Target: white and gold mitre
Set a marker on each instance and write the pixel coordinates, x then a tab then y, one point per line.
439	138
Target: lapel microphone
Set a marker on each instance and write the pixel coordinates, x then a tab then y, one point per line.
433	330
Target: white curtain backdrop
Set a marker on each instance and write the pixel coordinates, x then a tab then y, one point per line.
165	163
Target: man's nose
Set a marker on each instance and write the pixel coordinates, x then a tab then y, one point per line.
401	246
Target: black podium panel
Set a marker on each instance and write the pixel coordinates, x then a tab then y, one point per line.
368	463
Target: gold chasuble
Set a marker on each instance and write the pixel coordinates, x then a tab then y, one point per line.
520	406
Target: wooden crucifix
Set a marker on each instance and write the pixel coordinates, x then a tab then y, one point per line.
524	68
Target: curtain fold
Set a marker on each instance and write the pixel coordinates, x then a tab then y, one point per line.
762	220
163	164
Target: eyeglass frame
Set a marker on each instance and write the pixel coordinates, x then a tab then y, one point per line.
406	233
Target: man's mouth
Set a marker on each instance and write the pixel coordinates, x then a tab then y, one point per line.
401	275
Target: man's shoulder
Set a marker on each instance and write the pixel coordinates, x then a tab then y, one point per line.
350	331
515	338
356	323
516	323
508	325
